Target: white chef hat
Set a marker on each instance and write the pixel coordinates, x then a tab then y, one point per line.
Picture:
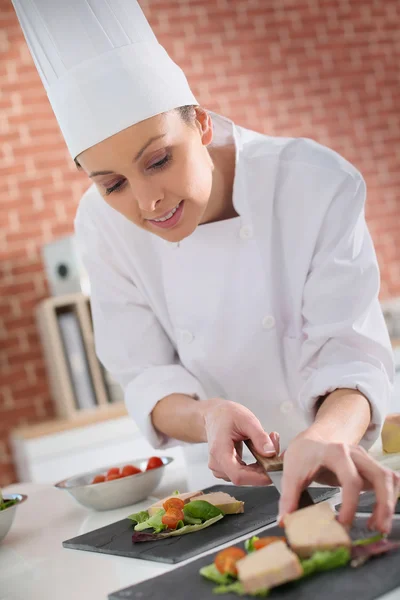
101	65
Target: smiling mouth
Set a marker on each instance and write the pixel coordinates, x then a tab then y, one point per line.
167	216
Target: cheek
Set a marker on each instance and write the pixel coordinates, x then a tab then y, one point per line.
194	179
124	203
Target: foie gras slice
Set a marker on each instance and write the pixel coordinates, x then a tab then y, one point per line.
315	528
186	497
266	568
228	504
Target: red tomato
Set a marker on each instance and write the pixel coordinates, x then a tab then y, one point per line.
112	471
129	470
172	518
99	479
226	560
266	541
173	503
113	476
154	462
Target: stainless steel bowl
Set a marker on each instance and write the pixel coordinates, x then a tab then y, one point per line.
7	514
109	495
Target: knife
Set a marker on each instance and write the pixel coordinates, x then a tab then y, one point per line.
274	469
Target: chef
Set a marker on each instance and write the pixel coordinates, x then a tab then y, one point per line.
234	283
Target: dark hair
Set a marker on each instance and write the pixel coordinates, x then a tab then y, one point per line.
187	114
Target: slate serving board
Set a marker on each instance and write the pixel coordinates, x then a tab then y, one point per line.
261	508
375	578
367	502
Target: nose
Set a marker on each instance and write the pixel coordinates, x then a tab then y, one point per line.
148	205
148	197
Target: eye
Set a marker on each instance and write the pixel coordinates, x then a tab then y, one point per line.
161	164
116	187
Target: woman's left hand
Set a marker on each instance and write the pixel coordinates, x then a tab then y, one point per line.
310	458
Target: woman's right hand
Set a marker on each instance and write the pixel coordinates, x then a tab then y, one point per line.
228	425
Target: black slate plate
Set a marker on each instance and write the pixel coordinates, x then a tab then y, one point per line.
375	578
366	505
261	507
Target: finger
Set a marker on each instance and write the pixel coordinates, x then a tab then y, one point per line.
275	439
251	429
261	441
220	475
240	474
338	459
292	486
385	487
239	452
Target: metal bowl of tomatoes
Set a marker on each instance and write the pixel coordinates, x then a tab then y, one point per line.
117	485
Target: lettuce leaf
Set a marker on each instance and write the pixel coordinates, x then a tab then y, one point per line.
369	540
249	544
237	588
145	536
325	560
211	573
200	509
191	520
139	517
361	553
154	522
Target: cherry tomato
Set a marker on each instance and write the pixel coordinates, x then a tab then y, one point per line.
173	503
112	471
99	479
172	518
129	470
226	560
266	541
154	462
113	476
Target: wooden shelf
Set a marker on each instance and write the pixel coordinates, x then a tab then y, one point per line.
81	418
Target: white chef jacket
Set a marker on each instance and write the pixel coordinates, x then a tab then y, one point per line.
271	309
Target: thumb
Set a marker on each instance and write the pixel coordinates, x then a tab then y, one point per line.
262	442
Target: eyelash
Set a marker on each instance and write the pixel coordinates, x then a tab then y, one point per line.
158	166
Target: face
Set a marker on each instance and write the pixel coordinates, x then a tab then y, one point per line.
157	173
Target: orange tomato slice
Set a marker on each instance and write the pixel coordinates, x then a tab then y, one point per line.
266	541
226	560
173	503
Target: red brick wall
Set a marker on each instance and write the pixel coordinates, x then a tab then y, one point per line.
326	69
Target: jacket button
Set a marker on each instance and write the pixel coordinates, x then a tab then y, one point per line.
187	337
286	407
246	232
268	322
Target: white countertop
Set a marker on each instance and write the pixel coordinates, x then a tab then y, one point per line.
35	566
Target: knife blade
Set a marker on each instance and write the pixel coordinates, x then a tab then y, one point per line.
274	469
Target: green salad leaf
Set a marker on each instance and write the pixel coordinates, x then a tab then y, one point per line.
6	503
139	517
153	522
192	520
325	560
144	536
200	509
237	588
211	573
370	540
249	544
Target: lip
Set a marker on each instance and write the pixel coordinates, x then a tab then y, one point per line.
172	222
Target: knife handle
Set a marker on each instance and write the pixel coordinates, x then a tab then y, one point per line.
275	463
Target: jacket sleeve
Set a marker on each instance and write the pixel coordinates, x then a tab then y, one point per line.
129	339
345	339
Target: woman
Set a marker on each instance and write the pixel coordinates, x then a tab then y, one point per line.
234	284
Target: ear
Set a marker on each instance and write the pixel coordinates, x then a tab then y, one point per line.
204	125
